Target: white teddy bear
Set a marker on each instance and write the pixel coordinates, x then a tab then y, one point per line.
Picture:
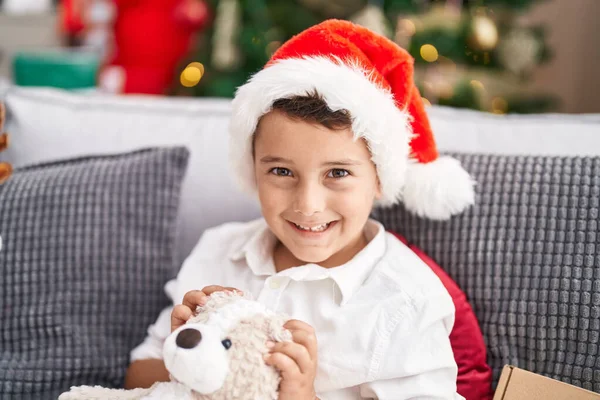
216	355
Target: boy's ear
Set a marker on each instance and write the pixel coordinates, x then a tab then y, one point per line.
378	191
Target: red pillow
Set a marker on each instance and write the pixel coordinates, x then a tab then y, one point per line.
474	381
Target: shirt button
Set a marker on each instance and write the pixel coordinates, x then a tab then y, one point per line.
274	284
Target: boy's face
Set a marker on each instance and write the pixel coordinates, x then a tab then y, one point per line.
316	186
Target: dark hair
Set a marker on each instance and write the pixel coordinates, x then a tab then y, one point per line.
313	108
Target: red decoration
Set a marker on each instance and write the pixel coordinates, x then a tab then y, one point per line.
70	21
151	37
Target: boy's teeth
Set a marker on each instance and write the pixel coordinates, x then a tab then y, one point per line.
314	228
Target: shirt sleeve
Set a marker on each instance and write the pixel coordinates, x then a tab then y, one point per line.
192	275
152	345
417	361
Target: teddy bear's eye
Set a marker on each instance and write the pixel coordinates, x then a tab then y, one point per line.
226	343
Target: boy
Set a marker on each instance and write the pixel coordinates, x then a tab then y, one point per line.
332	126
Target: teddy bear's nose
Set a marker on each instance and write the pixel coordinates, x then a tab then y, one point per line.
188	338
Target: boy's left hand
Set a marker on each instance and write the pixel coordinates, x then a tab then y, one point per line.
297	362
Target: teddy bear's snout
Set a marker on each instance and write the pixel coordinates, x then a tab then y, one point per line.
188	338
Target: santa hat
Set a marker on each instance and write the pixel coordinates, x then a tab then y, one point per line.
353	68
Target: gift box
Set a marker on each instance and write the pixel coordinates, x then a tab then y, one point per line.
65	69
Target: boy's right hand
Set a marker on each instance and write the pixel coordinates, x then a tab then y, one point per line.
192	299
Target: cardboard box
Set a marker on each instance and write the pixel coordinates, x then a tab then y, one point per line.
518	384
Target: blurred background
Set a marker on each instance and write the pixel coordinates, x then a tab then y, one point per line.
498	56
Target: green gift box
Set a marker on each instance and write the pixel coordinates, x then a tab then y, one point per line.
56	68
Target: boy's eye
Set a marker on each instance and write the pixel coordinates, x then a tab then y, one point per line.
338	173
281	171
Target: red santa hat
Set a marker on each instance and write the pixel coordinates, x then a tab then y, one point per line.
355	69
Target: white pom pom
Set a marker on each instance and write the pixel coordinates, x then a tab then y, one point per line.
439	189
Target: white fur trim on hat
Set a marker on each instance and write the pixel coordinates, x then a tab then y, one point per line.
438	189
343	85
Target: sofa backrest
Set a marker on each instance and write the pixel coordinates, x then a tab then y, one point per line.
526	254
51	124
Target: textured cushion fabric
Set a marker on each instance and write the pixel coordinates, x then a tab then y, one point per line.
527	256
474	381
45	124
88	244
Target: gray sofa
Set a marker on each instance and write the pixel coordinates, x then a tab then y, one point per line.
527	254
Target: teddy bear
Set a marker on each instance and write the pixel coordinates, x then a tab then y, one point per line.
216	355
5	168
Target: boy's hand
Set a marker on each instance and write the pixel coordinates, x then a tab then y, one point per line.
297	362
192	299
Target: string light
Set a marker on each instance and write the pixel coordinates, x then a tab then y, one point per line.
429	53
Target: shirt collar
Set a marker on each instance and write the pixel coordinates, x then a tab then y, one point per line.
258	252
350	276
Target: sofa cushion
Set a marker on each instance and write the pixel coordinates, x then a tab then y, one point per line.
527	256
474	380
88	244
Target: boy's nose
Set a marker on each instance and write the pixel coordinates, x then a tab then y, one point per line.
188	338
309	200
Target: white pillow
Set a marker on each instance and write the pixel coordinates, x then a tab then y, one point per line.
468	131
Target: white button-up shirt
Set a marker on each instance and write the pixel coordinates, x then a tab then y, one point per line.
382	320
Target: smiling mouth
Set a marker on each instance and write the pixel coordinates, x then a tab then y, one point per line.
313	229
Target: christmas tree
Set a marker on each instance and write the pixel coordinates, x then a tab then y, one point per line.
468	53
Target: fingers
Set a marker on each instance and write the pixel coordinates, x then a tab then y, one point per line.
194	298
297	353
216	288
304	334
179	316
294	324
288	368
308	341
191	301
